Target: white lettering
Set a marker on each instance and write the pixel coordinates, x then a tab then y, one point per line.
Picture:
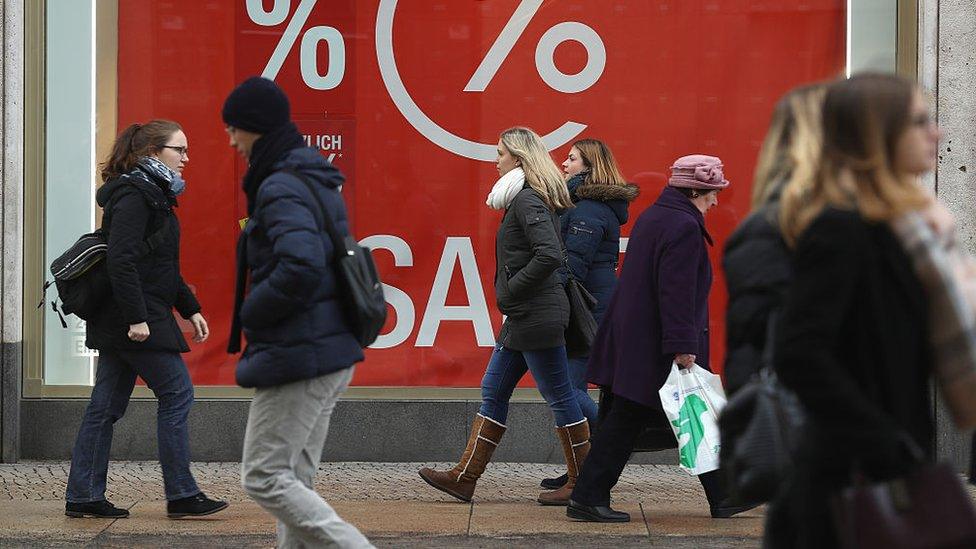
397	298
457	249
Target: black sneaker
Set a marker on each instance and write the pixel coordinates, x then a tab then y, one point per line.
96	509
193	506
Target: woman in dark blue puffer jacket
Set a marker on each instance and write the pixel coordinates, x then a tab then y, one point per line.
591	233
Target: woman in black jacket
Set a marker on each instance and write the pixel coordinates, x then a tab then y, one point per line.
853	339
135	333
756	260
591	233
529	291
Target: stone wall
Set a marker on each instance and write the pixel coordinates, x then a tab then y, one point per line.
11	225
947	70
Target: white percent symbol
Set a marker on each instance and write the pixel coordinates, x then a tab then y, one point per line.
570	30
474	150
308	56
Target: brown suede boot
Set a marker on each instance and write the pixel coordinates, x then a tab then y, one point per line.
460	481
576	444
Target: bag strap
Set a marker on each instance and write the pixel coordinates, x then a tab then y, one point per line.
772	320
337	241
151	242
562	249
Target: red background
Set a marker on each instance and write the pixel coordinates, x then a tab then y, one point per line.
681	77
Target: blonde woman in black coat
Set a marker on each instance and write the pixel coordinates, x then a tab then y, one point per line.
529	291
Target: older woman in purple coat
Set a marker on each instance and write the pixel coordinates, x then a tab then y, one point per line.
658	315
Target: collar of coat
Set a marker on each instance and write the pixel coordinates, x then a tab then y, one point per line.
600	192
672	199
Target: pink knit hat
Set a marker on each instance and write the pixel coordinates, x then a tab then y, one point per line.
698	171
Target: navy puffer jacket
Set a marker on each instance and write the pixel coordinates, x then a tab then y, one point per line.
291	316
591	232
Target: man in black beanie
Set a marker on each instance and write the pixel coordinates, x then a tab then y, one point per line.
300	352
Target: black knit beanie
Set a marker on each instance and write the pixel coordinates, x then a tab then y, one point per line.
257	105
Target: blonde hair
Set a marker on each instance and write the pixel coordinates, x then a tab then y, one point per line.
541	172
599	160
863	119
791	149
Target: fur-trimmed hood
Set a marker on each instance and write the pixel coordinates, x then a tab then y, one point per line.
606	193
617	197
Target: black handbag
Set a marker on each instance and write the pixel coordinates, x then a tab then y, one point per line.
926	508
760	427
581	330
656	436
360	289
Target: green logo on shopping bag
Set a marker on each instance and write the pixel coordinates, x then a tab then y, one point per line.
689	423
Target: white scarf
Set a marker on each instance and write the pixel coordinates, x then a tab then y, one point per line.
505	189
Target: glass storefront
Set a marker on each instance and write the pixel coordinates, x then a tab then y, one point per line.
407	98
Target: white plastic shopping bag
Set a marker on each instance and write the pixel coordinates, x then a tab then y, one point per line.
692	399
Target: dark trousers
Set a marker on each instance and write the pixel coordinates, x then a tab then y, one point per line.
166	374
611	446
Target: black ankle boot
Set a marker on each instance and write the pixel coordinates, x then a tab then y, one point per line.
193	506
96	509
595	513
719	504
554	483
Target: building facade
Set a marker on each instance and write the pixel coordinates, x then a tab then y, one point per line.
407	98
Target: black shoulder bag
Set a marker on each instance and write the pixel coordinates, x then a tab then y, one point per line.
81	276
581	330
760	428
359	282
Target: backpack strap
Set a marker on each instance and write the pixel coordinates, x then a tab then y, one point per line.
151	242
329	225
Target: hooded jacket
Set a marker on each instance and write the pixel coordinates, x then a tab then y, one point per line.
528	282
146	285
291	315
591	233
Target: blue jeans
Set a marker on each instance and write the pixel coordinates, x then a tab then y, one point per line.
577	376
549	369
166	374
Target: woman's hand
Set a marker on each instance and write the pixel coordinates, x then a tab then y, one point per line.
139	332
201	331
685	361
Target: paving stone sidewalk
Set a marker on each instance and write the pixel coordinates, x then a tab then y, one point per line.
387	501
347	481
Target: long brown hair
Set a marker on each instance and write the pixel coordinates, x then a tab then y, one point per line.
134	142
541	172
863	119
599	161
792	145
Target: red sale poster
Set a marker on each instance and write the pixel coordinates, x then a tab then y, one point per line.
407	98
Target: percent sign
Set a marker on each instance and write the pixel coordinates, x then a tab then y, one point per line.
544	52
475	150
308	56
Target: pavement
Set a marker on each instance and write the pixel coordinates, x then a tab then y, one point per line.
387	501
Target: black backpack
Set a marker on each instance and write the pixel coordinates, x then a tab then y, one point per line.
361	291
81	276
